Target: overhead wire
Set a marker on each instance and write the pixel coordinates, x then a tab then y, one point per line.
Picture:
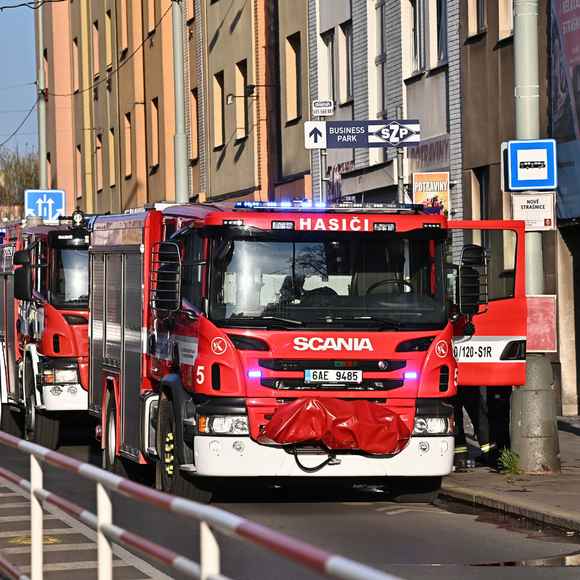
21	124
30	5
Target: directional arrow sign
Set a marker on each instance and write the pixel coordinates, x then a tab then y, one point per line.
47	204
315	135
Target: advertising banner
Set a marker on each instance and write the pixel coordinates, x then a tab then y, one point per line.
432	190
565	102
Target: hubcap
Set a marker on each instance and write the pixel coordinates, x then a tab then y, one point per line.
111	439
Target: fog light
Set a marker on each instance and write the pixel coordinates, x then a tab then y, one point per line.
215	447
56	391
73	390
424	447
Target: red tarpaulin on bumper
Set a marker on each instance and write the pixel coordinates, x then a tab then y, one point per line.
339	425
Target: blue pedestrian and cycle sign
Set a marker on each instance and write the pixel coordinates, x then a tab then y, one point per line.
48	204
361	134
532	165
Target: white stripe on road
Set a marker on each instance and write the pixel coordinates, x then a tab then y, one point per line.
50	548
26	518
64	566
49	532
14	505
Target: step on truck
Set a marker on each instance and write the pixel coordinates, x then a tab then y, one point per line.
281	341
44	321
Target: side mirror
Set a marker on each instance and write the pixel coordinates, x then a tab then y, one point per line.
23	283
472	280
165	295
21	258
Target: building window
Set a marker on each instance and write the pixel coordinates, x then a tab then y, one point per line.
381	60
109	39
128	145
190	10
241	100
96	54
329	65
49	169
76	71
293	61
476	21
45	65
441	31
506	18
194	116
112	158
79	171
99	161
151	16
124	22
219	127
346	70
418	35
154	115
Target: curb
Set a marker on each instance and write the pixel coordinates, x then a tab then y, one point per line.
541	513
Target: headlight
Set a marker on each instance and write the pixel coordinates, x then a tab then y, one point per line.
65	376
59	376
223	425
433	426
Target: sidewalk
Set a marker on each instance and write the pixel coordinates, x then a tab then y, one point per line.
550	499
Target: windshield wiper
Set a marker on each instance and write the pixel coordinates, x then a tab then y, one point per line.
261	321
383	323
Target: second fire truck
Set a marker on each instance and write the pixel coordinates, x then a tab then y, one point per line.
285	341
44	292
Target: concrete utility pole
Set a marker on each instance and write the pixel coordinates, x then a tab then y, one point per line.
180	139
41	89
533	422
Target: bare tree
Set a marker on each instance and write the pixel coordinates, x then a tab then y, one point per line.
18	172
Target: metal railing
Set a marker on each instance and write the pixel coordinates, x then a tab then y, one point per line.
210	520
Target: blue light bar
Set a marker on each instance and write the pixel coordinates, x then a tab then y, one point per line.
307	205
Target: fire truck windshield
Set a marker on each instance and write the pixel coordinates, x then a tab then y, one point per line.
314	280
70	278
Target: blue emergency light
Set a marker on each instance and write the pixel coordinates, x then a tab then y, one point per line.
307	205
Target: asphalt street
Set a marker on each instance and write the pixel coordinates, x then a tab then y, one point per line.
412	541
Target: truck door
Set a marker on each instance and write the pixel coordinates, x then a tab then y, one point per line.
495	354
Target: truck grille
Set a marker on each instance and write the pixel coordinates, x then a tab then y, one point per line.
300	385
294	365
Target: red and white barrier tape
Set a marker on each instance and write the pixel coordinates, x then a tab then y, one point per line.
296	550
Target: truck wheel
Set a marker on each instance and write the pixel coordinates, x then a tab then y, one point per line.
169	477
111	461
39	426
414	489
10	421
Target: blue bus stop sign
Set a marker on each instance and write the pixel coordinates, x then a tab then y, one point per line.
532	165
48	204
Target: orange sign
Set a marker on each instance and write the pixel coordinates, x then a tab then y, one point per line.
432	190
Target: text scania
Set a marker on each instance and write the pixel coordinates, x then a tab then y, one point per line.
302	343
354	224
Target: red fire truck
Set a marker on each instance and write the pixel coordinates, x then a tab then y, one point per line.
44	283
292	340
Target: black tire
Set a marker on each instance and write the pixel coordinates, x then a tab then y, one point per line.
39	427
168	476
111	461
414	489
10	420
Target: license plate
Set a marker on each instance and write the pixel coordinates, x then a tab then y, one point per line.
332	376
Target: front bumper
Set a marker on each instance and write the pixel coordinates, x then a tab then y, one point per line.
243	457
72	398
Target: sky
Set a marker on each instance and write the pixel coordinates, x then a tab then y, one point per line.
17	67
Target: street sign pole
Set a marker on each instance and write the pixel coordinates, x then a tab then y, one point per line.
534	430
400	165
